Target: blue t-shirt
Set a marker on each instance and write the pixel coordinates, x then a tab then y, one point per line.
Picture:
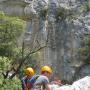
24	82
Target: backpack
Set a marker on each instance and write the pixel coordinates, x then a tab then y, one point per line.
32	81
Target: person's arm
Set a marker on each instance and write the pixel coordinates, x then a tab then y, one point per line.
24	87
46	83
47	87
57	82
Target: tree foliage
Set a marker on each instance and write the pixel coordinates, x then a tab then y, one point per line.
10	30
84	51
7	84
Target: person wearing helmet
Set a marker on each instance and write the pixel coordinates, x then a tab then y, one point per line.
29	72
42	82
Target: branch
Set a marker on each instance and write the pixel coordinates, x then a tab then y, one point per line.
5	75
23	60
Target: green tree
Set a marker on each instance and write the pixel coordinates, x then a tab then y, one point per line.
19	56
8	84
84	51
10	30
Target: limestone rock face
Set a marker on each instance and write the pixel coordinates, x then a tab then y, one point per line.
68	34
12	7
65	22
82	84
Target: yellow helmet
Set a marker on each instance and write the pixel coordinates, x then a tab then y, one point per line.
29	71
46	68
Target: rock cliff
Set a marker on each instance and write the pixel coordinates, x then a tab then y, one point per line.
65	22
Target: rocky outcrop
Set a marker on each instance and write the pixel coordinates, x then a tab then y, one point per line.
14	8
65	22
82	84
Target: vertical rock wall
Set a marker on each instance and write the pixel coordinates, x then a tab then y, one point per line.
65	22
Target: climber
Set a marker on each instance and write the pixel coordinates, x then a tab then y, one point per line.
29	72
42	82
56	80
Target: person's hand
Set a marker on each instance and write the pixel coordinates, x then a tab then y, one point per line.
57	82
26	88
